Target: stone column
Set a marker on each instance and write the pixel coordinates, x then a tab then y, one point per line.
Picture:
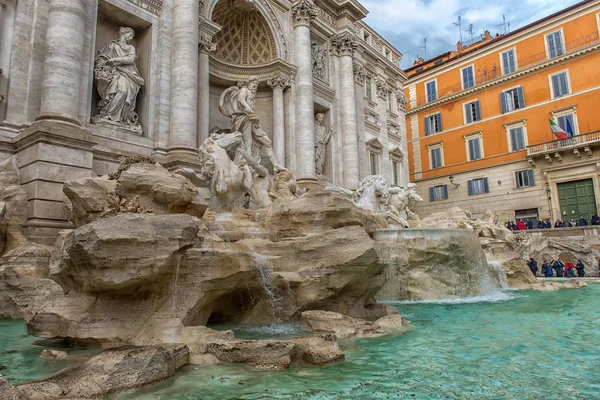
290	138
184	83
383	91
344	46
278	84
205	48
303	12
359	89
64	56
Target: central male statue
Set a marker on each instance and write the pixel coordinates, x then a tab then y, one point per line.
237	103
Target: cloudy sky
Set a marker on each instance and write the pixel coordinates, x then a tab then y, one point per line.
405	23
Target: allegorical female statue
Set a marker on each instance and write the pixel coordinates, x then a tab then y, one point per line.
118	81
322	138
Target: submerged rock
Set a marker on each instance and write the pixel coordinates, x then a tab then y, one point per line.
317	351
110	371
340	325
53	354
552	286
268	354
392	323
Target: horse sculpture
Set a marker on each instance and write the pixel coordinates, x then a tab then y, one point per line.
371	193
228	182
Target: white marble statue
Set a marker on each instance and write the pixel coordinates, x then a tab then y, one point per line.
404	199
322	138
118	81
237	103
372	195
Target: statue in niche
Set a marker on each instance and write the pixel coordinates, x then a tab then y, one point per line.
118	81
322	138
318	60
237	103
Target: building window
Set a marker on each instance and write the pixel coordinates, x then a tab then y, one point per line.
439	192
433	124
436	157
369	88
438	62
431	89
478	186
509	62
554	42
512	99
472	112
396	172
517	138
374	158
474	147
560	84
567	123
468	77
525	178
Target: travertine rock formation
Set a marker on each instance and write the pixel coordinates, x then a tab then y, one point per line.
110	371
141	188
342	326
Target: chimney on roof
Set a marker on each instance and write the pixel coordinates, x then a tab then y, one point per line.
488	35
419	61
459	46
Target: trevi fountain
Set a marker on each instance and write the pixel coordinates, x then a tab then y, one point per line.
188	211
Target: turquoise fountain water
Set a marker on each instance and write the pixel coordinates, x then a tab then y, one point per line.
534	345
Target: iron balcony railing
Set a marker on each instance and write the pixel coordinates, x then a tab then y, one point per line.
576	141
495	71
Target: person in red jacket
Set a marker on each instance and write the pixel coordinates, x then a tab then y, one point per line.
521	225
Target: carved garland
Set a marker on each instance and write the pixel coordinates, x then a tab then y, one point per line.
360	74
383	89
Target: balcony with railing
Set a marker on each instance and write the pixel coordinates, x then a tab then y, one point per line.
577	144
494	72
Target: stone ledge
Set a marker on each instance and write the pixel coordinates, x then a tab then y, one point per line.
55	132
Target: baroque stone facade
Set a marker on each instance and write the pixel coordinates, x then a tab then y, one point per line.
84	83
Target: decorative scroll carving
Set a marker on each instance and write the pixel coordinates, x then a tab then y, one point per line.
360	74
278	82
304	12
383	89
402	100
344	44
207	46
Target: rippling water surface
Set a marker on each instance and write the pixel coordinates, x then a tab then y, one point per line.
524	345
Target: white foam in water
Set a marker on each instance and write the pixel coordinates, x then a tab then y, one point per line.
491	298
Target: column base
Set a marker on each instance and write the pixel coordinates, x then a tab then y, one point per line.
179	157
309	183
49	153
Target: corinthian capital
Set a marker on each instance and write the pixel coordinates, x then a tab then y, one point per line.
344	44
303	12
205	45
402	100
278	82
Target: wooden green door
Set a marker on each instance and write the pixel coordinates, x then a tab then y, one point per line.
577	198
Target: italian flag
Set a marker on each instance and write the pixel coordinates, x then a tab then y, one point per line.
558	131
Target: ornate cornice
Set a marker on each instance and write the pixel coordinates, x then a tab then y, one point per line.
280	82
264	72
303	12
206	46
344	44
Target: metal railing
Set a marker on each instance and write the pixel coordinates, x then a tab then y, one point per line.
564	144
494	72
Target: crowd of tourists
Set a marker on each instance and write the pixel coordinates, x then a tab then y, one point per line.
522	225
557	268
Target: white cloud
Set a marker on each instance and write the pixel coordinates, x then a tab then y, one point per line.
405	23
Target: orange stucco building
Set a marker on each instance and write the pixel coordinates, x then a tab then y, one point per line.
478	121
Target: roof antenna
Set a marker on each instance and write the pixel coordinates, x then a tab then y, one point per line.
424	47
459	24
470	30
504	24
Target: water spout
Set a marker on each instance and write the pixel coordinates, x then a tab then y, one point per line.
498	268
175	281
